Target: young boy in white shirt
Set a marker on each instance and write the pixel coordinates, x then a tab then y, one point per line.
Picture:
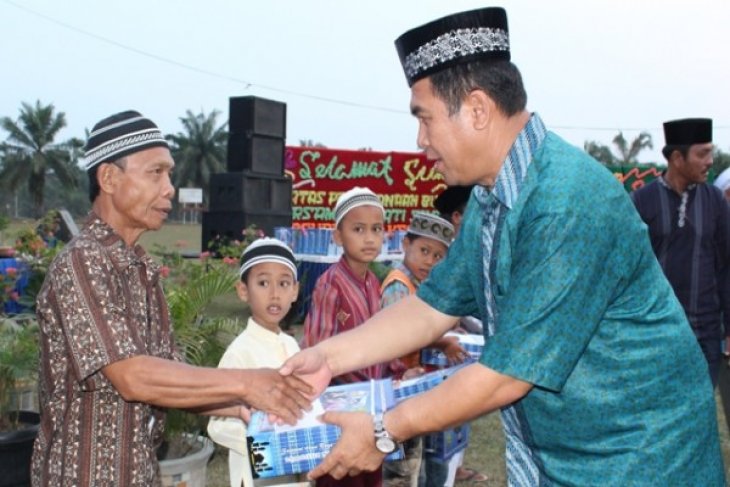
269	285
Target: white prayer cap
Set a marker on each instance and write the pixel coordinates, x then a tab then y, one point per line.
354	198
723	180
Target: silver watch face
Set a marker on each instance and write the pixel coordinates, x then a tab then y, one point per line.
385	445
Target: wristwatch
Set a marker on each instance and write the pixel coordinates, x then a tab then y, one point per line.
383	441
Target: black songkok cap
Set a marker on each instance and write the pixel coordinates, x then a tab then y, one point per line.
688	131
120	135
459	38
452	198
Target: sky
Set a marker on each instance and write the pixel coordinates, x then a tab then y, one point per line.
591	68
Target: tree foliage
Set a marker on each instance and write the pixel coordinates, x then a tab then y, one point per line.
627	152
311	143
30	152
599	152
720	161
199	150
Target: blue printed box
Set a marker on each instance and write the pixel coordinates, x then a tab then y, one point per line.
444	444
408	388
284	450
473	344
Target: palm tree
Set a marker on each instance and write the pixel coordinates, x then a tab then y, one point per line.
629	152
599	152
30	154
199	151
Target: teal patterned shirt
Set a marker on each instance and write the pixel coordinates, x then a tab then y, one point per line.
577	305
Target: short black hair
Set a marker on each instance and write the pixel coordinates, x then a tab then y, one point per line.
501	80
668	149
244	276
411	236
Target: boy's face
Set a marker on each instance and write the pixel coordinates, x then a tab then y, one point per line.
421	254
269	290
360	233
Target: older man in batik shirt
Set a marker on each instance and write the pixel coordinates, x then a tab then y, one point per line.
108	365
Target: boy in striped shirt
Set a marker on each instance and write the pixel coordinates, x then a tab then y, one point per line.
348	293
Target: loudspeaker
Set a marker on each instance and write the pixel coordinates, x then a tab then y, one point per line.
250	192
257	116
256	153
222	226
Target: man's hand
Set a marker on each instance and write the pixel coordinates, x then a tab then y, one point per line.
282	396
311	366
355	451
413	372
455	353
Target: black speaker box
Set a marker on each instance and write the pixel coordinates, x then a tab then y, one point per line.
256	153
257	116
229	225
243	191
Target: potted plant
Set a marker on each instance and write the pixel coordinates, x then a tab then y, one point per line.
190	287
5	251
18	371
19	352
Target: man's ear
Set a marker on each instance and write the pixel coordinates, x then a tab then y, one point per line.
480	107
676	157
242	291
106	177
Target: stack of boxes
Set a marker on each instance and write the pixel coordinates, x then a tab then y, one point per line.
442	445
254	191
472	344
277	450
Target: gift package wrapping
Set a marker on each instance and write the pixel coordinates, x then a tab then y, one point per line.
473	344
443	444
277	450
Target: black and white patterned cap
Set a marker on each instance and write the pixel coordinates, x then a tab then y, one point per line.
120	135
267	249
431	226
464	37
356	197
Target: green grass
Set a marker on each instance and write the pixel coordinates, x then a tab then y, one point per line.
7	236
184	238
486	448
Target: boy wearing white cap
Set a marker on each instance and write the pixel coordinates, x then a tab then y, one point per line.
424	245
269	285
348	293
723	183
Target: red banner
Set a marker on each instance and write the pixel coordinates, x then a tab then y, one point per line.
404	181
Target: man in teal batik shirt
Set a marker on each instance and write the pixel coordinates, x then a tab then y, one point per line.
587	351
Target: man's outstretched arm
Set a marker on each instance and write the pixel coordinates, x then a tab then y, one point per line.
173	384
